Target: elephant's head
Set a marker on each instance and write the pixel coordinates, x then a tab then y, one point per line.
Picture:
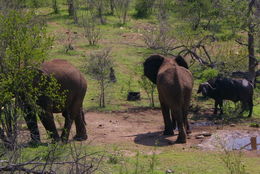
153	63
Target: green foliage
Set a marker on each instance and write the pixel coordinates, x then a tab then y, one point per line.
143	8
98	66
198	13
205	74
233	162
24	45
145	84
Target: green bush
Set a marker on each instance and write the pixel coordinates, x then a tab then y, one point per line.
143	8
206	74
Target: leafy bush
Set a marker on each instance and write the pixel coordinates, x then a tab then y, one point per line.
205	74
143	8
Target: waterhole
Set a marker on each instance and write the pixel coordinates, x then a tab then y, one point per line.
233	140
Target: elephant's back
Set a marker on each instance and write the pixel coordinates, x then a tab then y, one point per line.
174	82
68	76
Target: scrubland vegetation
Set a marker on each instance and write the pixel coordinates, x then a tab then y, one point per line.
217	37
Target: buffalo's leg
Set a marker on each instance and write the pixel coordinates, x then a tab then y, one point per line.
31	122
216	107
48	122
180	122
67	126
250	105
81	133
168	130
221	106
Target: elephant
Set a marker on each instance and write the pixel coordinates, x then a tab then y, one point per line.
75	85
174	84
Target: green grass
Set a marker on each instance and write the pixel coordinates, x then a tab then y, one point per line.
148	160
127	58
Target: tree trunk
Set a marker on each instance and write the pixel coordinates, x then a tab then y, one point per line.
55	6
112	6
251	53
100	15
70	7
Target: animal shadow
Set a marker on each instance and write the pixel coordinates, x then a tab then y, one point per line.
153	139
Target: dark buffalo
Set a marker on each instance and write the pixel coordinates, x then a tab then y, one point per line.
221	88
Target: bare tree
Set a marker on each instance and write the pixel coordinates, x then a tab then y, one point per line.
159	37
121	9
149	89
98	7
72	9
92	31
98	66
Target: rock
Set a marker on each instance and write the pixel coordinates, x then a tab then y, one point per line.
206	134
169	171
199	137
100	126
232	125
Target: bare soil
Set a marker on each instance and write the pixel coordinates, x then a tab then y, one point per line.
144	128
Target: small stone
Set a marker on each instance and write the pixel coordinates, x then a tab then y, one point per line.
100	125
232	125
206	134
199	137
169	171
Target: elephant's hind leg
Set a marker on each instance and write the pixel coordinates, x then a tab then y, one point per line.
168	130
67	126
81	133
48	122
186	122
180	122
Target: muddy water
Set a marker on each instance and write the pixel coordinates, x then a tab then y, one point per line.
233	140
202	123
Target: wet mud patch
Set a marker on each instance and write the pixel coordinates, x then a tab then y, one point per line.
233	140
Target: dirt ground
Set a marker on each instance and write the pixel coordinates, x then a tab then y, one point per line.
144	128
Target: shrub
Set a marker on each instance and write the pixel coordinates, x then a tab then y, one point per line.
143	8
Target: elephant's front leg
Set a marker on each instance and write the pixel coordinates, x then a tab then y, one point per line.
31	122
48	122
168	130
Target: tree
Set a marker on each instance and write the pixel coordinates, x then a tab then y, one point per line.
98	7
92	31
144	8
122	8
55	6
72	9
98	66
223	20
24	44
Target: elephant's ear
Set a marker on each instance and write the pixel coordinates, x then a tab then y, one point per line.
181	62
151	66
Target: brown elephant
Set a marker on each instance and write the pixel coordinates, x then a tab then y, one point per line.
174	83
75	85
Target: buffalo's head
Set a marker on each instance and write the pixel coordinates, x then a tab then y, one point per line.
205	88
